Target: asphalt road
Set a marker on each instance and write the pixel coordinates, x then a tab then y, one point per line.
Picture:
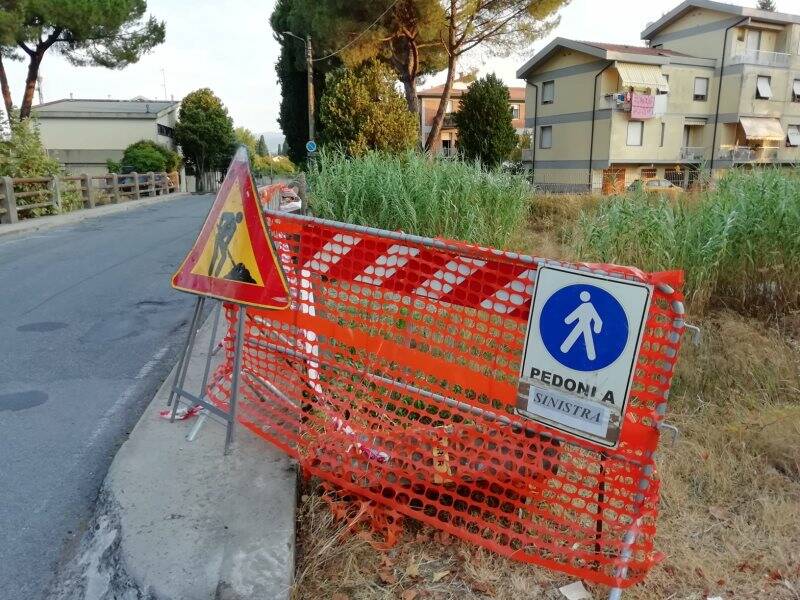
89	328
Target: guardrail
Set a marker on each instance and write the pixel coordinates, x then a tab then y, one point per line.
50	192
763	58
693	153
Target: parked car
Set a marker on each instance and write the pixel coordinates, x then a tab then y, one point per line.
656	186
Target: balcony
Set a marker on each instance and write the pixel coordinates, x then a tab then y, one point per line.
762	58
745	155
527	155
615	101
449	121
693	153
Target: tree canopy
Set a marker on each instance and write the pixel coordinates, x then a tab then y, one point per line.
105	33
767	5
261	147
485	130
146	155
205	132
403	34
497	26
362	111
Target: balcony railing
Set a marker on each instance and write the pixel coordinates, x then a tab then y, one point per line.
527	155
693	153
763	58
615	102
448	152
750	155
449	121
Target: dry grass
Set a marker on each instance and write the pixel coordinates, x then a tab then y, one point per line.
730	519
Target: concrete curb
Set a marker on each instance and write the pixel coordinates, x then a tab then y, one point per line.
43	223
181	520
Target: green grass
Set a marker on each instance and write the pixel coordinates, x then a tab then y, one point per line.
739	244
419	195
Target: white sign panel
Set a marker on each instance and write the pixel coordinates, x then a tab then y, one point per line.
584	334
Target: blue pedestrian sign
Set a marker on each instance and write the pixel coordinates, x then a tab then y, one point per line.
582	344
311	146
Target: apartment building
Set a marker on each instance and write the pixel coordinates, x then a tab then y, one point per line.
447	144
716	86
83	134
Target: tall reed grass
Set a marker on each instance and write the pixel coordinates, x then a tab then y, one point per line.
739	244
415	194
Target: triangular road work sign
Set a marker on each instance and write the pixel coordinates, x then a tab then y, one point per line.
234	258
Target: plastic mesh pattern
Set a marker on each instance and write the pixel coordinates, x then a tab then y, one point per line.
394	378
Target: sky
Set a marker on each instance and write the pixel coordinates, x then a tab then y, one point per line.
229	47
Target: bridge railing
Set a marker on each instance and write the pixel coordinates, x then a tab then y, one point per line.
29	197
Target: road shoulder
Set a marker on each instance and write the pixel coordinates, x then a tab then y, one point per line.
181	520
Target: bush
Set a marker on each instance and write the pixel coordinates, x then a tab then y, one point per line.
417	195
147	155
738	243
361	110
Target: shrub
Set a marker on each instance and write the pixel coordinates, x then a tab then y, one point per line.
144	155
361	110
417	195
738	243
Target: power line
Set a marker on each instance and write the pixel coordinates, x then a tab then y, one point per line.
360	35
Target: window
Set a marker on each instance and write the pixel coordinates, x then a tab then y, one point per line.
753	40
166	131
449	107
796	90
663	129
763	87
548	92
546	137
793	136
635	133
701	89
515	111
648	173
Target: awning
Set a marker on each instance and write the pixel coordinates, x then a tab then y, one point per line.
642	76
762	128
796	87
794	135
695	121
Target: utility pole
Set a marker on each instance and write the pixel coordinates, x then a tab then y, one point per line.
310	75
310	79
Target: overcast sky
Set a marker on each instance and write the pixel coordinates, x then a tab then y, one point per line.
228	46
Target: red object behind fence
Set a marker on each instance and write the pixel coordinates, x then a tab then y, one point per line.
394	378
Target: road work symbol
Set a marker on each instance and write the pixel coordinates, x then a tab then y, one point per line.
584	327
234	258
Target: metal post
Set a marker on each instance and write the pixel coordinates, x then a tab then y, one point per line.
115	188
186	353
9	201
310	76
55	192
135	188
87	191
237	369
211	352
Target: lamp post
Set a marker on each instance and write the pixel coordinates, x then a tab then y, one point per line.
310	76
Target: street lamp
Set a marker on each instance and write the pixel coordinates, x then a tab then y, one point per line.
310	75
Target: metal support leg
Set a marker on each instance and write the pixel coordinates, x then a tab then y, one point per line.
204	415
192	327
237	369
180	376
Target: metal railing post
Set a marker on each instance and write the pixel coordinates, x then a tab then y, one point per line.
55	192
9	201
115	188
87	191
135	189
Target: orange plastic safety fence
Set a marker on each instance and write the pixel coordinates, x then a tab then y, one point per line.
394	377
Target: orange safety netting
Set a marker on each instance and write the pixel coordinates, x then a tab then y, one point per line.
394	379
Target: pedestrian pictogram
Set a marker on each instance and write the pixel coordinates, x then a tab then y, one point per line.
583	327
583	339
234	258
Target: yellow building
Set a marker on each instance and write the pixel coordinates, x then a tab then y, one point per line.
447	144
605	115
